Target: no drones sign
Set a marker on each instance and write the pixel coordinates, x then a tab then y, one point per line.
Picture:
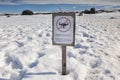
63	28
63	24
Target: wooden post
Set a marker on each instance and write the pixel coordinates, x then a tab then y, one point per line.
63	60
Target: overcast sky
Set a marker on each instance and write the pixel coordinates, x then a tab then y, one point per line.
104	2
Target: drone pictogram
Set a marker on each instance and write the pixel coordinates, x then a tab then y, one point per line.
63	24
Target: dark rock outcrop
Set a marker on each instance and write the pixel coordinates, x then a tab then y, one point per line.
92	10
27	12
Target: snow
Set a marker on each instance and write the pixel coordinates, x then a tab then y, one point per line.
27	52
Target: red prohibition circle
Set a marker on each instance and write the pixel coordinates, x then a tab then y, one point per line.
66	20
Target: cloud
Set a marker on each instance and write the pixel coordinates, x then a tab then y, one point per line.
8	1
103	2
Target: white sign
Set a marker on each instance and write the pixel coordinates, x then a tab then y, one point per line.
63	29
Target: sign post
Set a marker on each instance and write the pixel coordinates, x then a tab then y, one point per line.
63	33
64	60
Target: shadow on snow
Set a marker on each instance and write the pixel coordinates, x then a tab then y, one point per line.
3	79
28	75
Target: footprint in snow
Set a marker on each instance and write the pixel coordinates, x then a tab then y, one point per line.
96	63
33	64
47	34
29	38
41	54
15	62
70	54
85	34
81	46
20	44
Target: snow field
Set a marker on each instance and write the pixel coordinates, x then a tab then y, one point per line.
27	52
